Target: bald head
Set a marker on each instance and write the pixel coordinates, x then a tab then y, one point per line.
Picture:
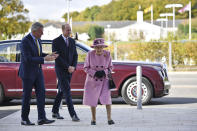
66	30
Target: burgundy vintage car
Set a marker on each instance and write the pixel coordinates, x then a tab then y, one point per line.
155	81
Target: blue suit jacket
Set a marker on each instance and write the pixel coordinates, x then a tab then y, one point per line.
30	59
67	55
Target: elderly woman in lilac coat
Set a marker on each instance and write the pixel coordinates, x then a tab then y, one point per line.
97	66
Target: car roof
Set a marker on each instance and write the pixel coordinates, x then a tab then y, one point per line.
80	44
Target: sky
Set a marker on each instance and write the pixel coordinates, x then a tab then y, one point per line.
54	9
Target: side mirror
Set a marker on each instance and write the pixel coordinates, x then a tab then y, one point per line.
76	36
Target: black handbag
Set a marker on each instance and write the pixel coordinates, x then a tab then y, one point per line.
111	81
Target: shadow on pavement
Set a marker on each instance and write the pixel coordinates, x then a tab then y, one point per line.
154	101
172	100
4	113
50	102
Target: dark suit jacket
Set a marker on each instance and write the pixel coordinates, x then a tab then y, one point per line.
30	59
67	55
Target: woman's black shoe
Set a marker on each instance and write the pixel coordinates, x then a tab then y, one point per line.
93	122
110	122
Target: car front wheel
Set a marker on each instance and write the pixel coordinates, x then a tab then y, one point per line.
129	91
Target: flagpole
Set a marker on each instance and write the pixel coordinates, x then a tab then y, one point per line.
173	20
190	20
151	13
71	23
68	17
173	8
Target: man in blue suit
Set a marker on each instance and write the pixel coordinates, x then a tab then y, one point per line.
30	71
65	65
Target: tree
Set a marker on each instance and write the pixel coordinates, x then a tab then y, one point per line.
95	31
12	18
126	10
74	15
94	11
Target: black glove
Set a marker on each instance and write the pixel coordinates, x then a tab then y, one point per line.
100	74
103	73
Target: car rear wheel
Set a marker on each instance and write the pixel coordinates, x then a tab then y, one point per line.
129	91
1	94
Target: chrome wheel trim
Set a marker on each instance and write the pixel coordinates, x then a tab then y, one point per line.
132	91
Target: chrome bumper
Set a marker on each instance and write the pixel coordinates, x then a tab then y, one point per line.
167	86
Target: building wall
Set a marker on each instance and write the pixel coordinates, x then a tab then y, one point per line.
134	31
138	31
50	32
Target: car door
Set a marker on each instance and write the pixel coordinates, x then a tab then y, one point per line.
9	69
48	68
78	77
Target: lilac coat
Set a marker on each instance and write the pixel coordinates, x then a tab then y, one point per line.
97	88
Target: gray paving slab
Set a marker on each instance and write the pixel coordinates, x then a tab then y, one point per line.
127	118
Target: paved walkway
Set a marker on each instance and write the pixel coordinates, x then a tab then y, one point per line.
127	118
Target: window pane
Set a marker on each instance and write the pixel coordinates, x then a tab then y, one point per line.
8	52
47	48
81	54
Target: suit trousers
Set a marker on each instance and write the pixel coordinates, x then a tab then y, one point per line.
28	85
64	78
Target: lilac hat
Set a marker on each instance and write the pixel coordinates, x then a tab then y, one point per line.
99	42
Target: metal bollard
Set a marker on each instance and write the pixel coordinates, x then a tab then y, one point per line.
170	56
139	87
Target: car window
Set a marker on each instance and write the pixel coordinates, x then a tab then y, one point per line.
8	52
81	54
47	48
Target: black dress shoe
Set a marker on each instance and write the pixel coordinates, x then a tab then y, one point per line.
27	123
45	121
93	122
57	116
75	118
110	122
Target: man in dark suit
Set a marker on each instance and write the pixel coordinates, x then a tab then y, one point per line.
65	65
30	71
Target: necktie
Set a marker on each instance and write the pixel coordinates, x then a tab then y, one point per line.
38	49
67	42
38	46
